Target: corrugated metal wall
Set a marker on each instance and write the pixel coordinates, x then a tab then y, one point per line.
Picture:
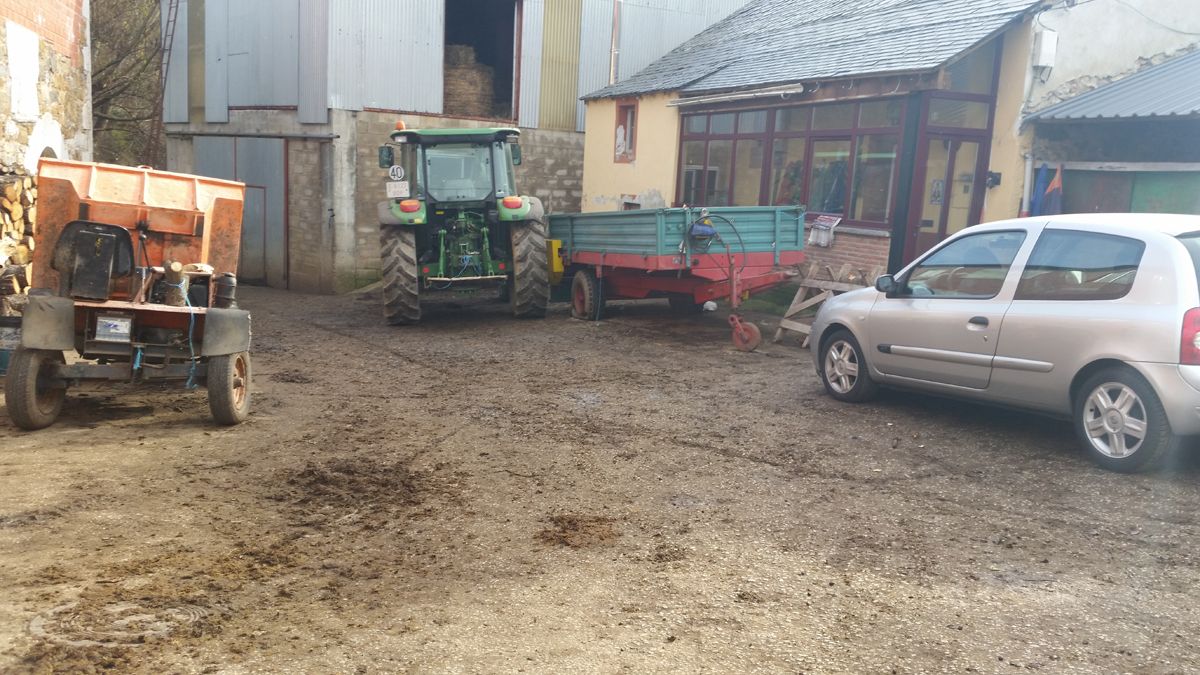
560	64
216	60
314	62
531	62
263	49
386	54
175	101
595	44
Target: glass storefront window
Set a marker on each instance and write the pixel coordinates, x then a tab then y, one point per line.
720	163
747	175
875	114
721	124
752	122
792	119
787	171
830	173
838	116
693	172
945	112
974	73
874	177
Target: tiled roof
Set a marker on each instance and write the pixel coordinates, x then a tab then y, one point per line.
780	41
1170	89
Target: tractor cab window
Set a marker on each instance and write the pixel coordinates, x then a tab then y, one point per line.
459	172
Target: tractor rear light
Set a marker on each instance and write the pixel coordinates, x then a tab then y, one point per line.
1189	338
512	202
410	206
500	267
425	270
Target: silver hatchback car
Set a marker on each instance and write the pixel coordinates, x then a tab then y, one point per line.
1094	317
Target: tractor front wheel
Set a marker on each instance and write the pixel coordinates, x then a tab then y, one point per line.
531	272
229	388
401	288
32	404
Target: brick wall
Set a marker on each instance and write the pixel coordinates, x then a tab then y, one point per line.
552	168
861	252
49	77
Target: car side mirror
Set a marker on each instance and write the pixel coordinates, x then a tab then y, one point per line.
516	155
886	284
387	157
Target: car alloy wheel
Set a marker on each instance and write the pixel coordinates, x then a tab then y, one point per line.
841	366
1115	420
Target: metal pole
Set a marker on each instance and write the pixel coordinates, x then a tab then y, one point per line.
614	46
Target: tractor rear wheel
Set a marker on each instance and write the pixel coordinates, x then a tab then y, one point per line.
229	388
31	404
401	289
531	273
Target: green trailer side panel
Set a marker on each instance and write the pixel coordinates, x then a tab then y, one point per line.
762	229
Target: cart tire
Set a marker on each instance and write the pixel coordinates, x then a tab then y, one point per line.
530	291
229	388
401	288
748	338
586	302
32	407
685	304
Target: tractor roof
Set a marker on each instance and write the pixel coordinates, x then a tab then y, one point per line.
476	135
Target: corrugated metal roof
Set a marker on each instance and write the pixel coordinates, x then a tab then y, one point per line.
1170	89
777	41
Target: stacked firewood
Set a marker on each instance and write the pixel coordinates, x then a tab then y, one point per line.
18	220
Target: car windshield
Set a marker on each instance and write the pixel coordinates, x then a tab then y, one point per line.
459	172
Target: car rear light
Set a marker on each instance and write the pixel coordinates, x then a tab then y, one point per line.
1189	338
410	206
512	202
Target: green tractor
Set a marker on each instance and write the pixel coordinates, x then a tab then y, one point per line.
454	224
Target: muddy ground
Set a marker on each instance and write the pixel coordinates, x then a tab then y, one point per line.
478	494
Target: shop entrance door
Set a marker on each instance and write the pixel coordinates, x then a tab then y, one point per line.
949	171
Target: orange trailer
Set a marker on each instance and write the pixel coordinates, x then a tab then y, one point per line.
134	274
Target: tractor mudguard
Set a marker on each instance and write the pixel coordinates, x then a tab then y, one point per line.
226	331
386	215
48	323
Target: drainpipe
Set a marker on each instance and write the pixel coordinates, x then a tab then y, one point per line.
613	48
1028	189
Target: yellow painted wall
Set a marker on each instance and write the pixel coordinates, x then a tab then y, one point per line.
1009	143
650	178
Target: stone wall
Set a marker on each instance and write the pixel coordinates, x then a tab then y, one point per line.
45	103
310	265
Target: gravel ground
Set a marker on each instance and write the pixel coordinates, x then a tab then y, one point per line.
479	494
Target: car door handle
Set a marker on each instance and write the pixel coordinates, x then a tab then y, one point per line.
978	321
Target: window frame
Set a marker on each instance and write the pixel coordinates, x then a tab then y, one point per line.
623	108
771	135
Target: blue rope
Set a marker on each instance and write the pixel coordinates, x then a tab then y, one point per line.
191	381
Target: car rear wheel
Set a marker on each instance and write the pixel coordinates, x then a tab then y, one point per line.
844	369
1121	422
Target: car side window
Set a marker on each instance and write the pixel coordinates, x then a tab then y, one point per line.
974	266
1074	265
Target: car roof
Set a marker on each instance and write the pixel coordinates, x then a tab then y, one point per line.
1171	224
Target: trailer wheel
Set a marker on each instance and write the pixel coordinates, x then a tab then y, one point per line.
229	388
32	405
530	291
747	338
586	302
401	289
